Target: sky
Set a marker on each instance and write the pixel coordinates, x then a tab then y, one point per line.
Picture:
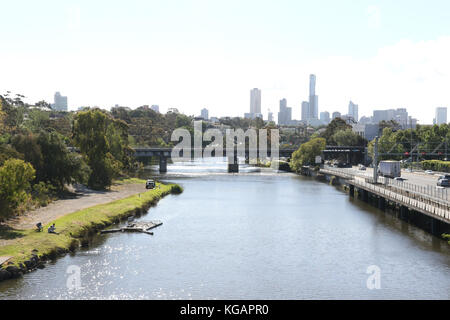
194	54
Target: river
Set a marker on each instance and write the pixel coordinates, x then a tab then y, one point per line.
252	235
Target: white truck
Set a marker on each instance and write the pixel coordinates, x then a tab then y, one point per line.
390	169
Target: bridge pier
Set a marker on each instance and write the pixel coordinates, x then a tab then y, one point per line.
381	203
404	213
162	164
233	162
233	165
365	195
351	190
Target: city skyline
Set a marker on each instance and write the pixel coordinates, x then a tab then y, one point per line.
143	64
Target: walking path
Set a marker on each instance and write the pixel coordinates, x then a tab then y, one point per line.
84	198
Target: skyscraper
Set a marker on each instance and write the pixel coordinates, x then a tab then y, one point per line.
60	102
440	116
353	111
305	110
313	99
269	115
285	114
255	101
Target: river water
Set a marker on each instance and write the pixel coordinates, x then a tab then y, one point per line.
258	234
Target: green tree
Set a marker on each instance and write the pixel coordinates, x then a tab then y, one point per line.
90	135
387	143
60	166
307	153
333	127
15	178
347	138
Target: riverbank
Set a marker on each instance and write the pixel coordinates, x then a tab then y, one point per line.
30	249
79	197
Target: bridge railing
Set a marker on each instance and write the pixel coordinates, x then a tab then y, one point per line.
415	201
436	196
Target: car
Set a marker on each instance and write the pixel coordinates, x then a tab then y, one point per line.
443	183
150	184
429	171
445	176
361	167
399	179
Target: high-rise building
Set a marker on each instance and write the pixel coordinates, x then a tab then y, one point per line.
305	110
60	102
269	115
285	114
313	99
204	114
440	116
336	114
155	108
325	117
353	111
255	101
399	115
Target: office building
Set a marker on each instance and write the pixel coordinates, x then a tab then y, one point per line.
269	115
368	131
305	111
399	115
204	114
60	102
335	115
325	117
353	111
440	116
255	101
285	114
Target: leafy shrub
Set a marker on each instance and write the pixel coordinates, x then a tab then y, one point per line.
176	189
436	165
43	193
15	178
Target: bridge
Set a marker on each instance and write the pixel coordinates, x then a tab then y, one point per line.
416	203
233	166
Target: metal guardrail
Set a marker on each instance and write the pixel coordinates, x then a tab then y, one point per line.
434	193
419	203
394	190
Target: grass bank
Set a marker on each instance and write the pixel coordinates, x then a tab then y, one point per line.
30	246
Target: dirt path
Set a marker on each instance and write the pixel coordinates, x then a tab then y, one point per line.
84	198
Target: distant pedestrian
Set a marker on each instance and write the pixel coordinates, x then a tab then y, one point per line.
52	229
39	226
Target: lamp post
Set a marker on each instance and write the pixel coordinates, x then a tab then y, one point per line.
375	161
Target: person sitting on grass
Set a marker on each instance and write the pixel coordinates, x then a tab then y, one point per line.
39	226
52	229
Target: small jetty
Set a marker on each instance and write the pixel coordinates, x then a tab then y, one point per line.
143	226
4	259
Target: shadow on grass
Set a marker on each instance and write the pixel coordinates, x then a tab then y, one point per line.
8	233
